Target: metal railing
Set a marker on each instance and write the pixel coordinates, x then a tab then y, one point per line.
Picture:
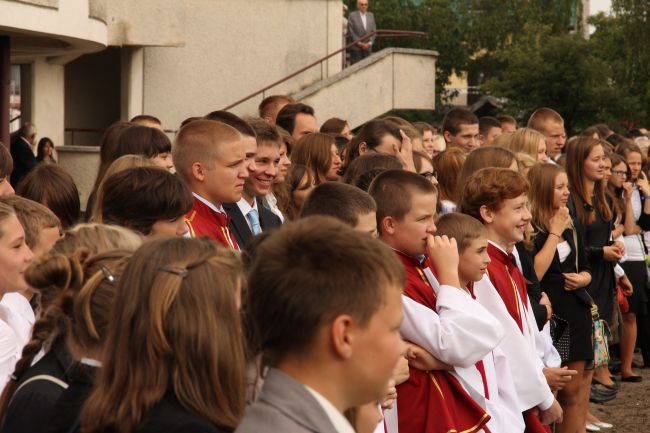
376	33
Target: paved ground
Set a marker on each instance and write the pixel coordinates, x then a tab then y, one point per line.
630	410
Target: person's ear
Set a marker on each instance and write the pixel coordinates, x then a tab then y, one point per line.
487	215
198	171
387	225
342	336
447	136
363	148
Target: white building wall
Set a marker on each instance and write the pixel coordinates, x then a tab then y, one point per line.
233	48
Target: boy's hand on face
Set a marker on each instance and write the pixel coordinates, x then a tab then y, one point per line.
443	253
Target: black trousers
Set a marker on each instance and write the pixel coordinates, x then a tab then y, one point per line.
358	55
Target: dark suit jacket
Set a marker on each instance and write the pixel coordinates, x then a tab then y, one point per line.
356	30
24	159
239	225
532	284
286	406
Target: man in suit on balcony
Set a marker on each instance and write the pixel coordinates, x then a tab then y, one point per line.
360	23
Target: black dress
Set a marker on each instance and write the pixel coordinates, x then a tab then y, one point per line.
65	415
169	416
31	406
574	306
603	282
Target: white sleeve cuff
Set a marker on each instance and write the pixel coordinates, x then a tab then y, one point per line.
546	404
618	271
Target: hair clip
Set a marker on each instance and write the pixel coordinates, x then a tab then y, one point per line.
110	277
181	272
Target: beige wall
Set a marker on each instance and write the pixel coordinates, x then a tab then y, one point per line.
145	22
233	48
47	96
395	78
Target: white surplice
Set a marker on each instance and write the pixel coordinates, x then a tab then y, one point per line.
462	333
519	347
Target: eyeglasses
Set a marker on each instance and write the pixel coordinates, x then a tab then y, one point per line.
430	174
619	173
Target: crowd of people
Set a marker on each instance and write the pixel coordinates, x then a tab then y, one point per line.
265	274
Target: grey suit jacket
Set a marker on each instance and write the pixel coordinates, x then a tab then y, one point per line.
285	406
356	30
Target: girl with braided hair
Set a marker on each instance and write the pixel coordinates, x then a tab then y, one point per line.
89	325
41	375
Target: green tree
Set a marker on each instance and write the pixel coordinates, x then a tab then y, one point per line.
621	40
561	71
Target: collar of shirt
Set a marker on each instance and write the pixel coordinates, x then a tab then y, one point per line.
245	207
340	423
271	199
500	248
208	204
91	362
515	254
18	304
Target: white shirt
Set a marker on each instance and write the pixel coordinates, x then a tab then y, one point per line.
340	423
272	203
563	251
364	20
8	344
20	317
214	207
460	333
634	243
447	206
245	207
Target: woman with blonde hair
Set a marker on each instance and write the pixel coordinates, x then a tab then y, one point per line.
40	376
174	357
318	151
528	141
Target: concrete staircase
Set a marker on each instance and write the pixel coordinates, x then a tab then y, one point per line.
394	78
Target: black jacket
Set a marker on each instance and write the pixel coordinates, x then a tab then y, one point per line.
239	225
31	406
24	159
